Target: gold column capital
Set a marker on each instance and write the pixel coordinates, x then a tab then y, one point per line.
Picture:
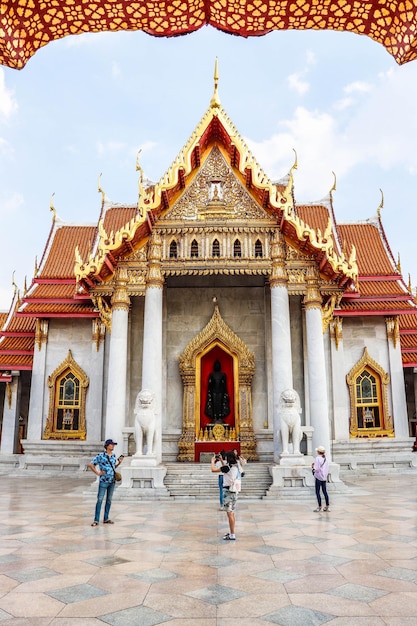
120	298
155	277
312	299
336	330
279	274
393	329
41	332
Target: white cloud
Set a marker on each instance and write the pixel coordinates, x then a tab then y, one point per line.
358	87
8	103
296	83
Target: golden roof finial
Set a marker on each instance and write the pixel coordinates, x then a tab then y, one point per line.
399	264
334	186
99	189
410	288
138	166
52	208
36	270
25	287
13	282
381	206
140	181
215	100
295	166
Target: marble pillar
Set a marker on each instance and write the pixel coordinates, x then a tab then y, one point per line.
280	334
38	387
317	378
10	427
399	401
117	391
152	365
94	398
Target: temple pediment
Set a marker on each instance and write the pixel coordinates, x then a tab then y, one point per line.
215	193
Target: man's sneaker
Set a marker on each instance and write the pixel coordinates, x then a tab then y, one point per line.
229	537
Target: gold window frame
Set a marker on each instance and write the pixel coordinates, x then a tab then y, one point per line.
57	403
379	399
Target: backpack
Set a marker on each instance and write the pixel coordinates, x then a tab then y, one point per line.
236	485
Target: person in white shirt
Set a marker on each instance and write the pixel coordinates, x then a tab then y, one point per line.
321	471
216	463
231	473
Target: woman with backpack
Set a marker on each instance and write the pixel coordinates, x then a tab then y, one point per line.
321	471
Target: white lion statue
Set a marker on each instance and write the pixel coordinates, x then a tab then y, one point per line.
289	410
145	422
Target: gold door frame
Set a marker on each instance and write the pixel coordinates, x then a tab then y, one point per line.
217	332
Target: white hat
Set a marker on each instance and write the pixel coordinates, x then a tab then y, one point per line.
321	449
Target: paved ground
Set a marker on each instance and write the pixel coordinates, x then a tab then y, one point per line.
166	562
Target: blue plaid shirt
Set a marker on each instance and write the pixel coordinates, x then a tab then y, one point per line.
106	463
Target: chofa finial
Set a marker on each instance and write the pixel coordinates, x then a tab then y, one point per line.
215	100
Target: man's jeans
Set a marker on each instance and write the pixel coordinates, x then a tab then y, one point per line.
221	488
103	489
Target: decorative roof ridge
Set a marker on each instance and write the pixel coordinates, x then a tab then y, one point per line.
15	303
282	202
327	203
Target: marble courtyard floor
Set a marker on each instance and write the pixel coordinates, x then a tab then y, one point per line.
166	562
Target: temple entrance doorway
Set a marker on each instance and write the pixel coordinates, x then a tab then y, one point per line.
217	369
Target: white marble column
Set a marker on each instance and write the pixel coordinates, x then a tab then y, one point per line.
10	427
94	398
38	387
317	378
340	390
152	365
399	401
280	334
117	385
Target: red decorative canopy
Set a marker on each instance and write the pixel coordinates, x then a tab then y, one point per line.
26	25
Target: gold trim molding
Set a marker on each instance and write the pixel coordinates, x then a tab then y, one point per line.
216	333
367	361
393	330
72	366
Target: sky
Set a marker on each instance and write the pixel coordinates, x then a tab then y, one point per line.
85	105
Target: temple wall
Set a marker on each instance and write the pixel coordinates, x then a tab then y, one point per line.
358	333
75	335
188	310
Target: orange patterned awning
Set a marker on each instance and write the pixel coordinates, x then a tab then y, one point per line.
27	25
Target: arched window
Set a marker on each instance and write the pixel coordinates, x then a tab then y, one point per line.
368	386
215	248
173	250
194	249
258	249
237	249
368	399
66	416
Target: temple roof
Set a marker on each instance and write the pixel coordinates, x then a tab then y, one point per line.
76	258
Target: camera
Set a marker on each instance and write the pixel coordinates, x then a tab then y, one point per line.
218	457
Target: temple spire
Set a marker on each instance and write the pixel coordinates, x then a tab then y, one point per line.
215	100
381	206
52	208
334	186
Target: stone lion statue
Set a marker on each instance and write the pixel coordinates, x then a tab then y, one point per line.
145	422
289	410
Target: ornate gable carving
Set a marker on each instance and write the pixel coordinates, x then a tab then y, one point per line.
215	193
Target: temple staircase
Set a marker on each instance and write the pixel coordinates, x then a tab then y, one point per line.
198	482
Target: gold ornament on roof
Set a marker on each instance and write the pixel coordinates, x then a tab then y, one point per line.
281	203
52	208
